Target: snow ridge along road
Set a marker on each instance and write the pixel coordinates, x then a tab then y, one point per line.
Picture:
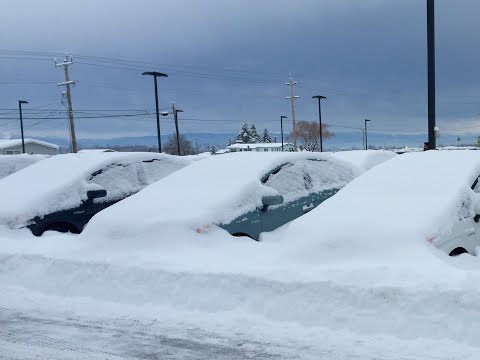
405	313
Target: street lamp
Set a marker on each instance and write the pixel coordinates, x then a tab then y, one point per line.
20	102
431	73
175	116
155	75
281	127
319	97
366	138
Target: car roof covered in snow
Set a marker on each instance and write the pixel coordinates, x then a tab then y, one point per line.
395	210
365	159
215	190
10	164
60	182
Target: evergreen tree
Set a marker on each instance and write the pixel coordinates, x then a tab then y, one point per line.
244	134
266	136
254	137
229	142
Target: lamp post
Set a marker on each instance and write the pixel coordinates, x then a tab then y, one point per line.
155	75
319	97
20	102
281	127
431	73
366	138
175	116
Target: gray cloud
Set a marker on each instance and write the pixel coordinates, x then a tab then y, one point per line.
368	57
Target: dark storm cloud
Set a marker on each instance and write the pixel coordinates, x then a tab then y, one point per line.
368	57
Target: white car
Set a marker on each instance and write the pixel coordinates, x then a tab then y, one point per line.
64	191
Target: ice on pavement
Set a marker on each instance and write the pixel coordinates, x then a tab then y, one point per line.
10	164
62	181
213	191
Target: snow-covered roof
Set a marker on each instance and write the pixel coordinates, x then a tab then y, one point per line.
215	190
257	145
392	212
16	142
96	150
365	159
61	182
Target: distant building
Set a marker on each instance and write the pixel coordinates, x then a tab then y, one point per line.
32	146
260	147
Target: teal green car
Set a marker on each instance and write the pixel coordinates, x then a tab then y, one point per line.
301	185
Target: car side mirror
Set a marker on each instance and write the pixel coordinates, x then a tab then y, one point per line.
272	200
94	194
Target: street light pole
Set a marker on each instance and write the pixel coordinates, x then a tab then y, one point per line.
20	102
320	118
366	138
175	116
431	73
155	75
281	127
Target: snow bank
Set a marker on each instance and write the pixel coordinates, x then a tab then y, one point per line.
365	159
216	190
392	213
62	181
10	164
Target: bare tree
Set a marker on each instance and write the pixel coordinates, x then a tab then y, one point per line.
186	147
309	135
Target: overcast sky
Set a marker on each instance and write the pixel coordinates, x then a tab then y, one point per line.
228	61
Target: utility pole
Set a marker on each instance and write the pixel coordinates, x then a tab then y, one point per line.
175	116
319	97
155	75
292	98
66	63
20	102
431	73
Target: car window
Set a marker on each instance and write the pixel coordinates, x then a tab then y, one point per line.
307	176
290	180
119	180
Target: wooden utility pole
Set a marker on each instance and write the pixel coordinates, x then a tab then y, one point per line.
66	62
292	98
175	117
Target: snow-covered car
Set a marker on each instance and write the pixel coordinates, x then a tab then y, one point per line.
10	164
243	193
398	210
365	159
63	192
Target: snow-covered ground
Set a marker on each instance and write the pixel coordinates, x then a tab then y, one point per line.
10	164
298	294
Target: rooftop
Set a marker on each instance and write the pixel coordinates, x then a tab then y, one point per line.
6	143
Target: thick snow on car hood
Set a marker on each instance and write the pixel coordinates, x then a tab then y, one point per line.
394	211
60	182
10	164
212	191
365	159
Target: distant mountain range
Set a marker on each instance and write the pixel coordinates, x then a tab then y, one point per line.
344	140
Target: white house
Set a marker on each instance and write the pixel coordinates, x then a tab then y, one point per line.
32	146
260	147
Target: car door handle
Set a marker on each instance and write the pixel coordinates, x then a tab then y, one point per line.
307	208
